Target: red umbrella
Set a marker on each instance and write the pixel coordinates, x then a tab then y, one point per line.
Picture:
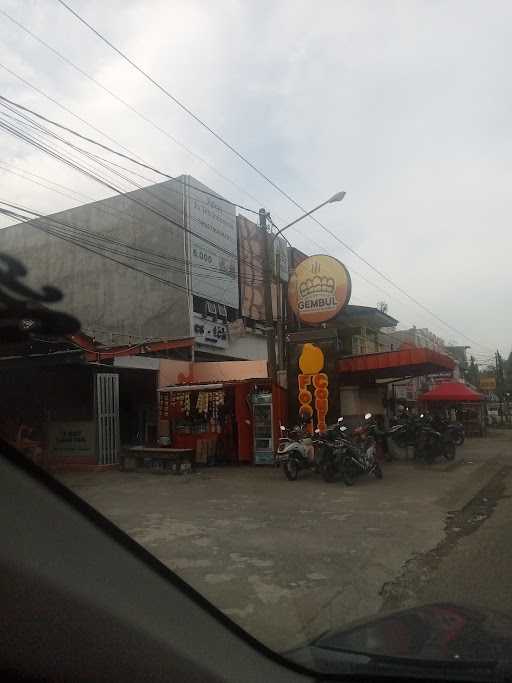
451	391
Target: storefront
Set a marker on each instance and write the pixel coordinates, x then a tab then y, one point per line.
366	382
228	412
62	415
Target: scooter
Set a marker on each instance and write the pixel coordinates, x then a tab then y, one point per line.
295	452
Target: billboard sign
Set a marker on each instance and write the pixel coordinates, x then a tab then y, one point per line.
252	247
319	289
213	246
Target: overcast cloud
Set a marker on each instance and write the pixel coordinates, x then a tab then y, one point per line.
405	105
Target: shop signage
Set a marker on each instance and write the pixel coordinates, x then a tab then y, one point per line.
210	333
313	387
75	438
488	383
319	289
213	246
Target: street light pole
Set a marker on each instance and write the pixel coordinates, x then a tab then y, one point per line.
267	294
335	198
269	278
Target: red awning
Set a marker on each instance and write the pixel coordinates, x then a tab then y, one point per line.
451	391
96	353
389	364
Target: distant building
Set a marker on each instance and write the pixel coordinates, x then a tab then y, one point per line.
421	338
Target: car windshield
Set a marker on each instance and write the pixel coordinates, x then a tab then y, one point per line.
245	310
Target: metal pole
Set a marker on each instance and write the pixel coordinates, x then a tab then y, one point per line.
267	293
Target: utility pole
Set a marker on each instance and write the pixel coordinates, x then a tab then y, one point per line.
499	381
268	276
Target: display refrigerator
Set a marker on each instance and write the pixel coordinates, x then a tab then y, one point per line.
262	421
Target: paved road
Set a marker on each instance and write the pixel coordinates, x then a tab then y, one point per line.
290	560
475	567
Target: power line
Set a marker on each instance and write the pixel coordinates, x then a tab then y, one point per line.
254	279
121	154
113	151
37	182
66	60
167	260
126	104
62	106
146	119
249	163
129	196
100	253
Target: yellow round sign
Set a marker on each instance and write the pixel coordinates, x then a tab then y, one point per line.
318	289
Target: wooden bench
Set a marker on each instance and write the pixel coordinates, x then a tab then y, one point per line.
160	460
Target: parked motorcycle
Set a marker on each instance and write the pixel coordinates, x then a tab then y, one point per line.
295	452
381	437
453	430
432	443
351	455
406	429
331	447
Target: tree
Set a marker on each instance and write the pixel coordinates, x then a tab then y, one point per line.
508	373
472	374
382	306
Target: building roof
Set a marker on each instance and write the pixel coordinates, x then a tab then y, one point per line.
394	364
366	315
95	352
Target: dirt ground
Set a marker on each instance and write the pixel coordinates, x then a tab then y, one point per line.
289	560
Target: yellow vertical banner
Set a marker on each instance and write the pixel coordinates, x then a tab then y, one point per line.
313	387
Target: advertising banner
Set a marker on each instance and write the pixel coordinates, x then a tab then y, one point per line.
213	246
252	261
319	289
251	241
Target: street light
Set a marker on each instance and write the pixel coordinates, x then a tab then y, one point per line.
270	277
335	198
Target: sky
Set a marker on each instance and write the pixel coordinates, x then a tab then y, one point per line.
405	106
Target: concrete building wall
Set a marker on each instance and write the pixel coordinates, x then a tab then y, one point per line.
113	303
246	347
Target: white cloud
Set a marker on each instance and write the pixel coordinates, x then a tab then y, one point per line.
406	106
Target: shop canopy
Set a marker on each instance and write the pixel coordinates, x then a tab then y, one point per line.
412	362
455	392
190	387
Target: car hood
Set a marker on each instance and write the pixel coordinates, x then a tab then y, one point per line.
443	638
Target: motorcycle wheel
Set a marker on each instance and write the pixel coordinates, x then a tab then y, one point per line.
459	440
328	471
377	471
426	454
449	451
291	469
349	476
